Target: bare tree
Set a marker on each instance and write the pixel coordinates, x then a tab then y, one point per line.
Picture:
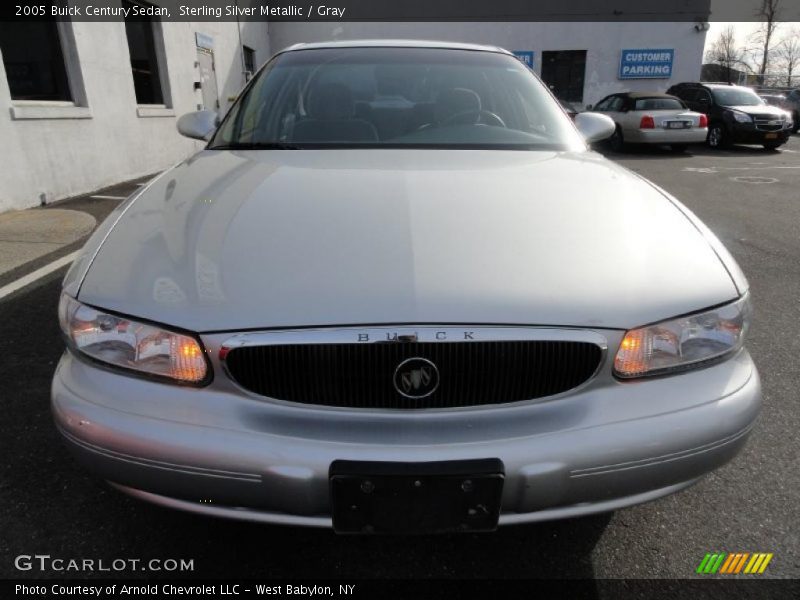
788	52
726	52
768	13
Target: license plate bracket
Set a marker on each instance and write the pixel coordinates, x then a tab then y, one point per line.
678	124
432	497
770	136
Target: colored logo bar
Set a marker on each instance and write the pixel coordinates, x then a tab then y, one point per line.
734	563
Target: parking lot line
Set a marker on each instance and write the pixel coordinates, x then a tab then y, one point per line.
109	197
28	279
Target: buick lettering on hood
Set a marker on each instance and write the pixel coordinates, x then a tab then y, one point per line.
396	291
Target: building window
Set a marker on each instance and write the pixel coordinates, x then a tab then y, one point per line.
564	71
249	60
34	61
141	33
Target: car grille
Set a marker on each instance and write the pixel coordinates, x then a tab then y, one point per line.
763	122
363	375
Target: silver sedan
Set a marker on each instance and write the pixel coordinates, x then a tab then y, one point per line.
398	292
652	118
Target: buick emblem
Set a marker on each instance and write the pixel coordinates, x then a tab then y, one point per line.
416	378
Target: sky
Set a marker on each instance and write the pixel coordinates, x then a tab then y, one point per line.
744	31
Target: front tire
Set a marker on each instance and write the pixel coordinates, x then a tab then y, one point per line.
717	137
796	124
616	141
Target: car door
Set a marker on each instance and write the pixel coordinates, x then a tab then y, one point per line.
688	95
615	110
704	103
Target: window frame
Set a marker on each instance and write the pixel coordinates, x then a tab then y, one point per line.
635	107
77	107
612	104
599	105
686	94
705	93
234	117
165	108
249	67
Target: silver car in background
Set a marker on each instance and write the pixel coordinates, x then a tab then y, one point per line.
652	118
398	292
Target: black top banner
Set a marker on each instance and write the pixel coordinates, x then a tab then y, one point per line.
398	10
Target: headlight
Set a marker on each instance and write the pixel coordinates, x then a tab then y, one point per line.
684	342
741	117
129	344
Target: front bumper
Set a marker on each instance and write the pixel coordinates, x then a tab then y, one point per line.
608	445
693	135
746	133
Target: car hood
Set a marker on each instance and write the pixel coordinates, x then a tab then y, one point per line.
761	109
229	240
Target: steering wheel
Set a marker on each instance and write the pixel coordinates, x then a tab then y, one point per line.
479	114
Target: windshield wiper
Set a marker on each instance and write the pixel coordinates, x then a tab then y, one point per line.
257	146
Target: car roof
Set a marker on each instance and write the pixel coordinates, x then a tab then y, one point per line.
718	86
639	95
708	84
396	44
727	86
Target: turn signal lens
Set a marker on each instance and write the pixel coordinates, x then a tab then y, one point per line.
187	360
703	121
683	343
647	122
129	344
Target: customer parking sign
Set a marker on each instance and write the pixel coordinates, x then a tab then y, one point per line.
646	63
526	56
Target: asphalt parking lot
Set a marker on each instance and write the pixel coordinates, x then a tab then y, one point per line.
748	196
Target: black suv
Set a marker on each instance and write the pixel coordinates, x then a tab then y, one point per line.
793	106
735	114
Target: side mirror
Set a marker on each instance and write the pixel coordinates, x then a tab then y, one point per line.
589	107
198	125
594	126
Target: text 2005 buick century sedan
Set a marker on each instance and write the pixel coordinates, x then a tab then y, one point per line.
397	292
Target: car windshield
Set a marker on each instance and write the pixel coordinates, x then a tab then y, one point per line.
396	97
736	97
658	104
